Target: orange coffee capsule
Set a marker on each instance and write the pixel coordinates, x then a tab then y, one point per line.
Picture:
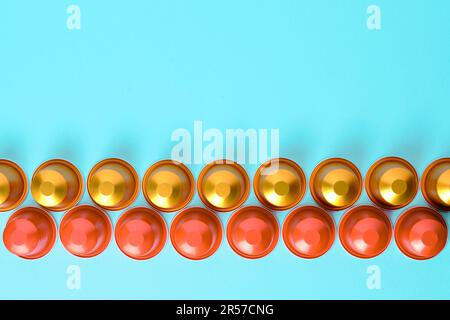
279	184
365	231
308	232
30	233
252	232
435	184
141	233
57	185
168	186
85	231
113	184
392	183
421	233
196	233
223	185
336	184
13	185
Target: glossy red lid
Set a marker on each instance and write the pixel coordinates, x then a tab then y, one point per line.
252	232
421	233
196	233
365	231
85	231
30	233
308	232
141	233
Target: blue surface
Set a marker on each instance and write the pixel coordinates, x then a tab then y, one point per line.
138	70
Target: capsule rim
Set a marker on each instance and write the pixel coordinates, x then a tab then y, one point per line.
77	173
184	168
243	173
316	170
257	180
24	179
423	181
133	172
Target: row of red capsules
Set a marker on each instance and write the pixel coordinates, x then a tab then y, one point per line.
169	186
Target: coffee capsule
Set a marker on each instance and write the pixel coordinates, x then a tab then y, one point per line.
421	233
391	183
308	232
85	231
279	184
196	233
435	184
223	185
252	232
30	233
168	186
113	184
365	231
336	184
13	185
57	185
141	233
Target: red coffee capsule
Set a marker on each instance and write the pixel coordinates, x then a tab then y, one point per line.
196	233
30	233
141	233
365	231
308	232
85	231
421	233
252	232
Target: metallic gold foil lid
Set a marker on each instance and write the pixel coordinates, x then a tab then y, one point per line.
279	184
336	184
57	185
223	185
168	186
113	184
13	185
392	183
435	184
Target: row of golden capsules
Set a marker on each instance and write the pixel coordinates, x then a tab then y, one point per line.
252	232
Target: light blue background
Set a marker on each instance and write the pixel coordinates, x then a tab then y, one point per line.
137	70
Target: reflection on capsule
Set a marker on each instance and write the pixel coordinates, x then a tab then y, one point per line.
168	186
308	232
421	233
252	232
113	184
279	184
57	185
196	233
85	231
223	185
435	184
336	184
141	233
365	231
391	183
13	185
30	233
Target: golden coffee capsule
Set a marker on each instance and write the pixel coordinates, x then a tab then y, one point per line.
113	184
336	184
168	186
435	184
13	185
223	185
392	183
57	185
279	184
